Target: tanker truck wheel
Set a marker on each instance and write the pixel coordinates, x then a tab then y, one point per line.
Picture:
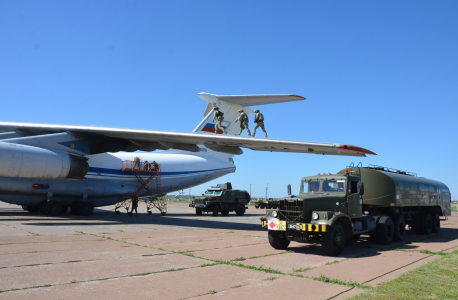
399	228
385	230
74	208
277	242
426	224
373	236
334	240
436	223
42	207
86	209
224	212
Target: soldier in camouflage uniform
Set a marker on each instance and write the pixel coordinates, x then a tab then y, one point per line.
243	118
136	163
155	166
219	117
134	205
146	165
259	120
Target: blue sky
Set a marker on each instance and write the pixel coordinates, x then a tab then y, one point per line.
379	75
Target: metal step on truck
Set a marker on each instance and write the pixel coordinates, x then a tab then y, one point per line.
337	208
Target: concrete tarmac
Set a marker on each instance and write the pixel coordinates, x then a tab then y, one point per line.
184	256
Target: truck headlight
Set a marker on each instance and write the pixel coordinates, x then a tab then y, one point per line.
315	216
274	214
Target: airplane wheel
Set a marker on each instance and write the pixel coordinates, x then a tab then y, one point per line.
163	213
86	209
53	208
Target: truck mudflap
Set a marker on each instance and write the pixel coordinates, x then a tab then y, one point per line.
274	224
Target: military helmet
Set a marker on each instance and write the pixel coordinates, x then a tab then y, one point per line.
216	108
240	110
256	110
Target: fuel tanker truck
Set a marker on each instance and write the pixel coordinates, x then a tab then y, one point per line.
337	208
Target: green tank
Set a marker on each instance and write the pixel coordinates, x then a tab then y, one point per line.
337	208
222	198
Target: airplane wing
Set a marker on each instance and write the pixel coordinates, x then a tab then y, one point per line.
112	139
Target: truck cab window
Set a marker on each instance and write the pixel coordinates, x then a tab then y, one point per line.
333	186
310	187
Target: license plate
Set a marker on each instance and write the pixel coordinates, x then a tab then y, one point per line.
294	226
276	225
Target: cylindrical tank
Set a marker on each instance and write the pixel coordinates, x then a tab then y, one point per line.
25	161
384	188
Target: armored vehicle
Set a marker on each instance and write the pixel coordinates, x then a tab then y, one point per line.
263	203
222	198
338	208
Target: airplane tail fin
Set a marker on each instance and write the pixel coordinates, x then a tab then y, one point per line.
229	105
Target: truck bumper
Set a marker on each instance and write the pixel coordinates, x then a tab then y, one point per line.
198	205
275	224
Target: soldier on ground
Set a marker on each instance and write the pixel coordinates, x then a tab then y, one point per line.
136	162
219	117
243	118
134	205
146	165
155	166
259	120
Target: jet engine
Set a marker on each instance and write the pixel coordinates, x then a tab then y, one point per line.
25	161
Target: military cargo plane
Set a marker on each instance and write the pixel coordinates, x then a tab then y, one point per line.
53	167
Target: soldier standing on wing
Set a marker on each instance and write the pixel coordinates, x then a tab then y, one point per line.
243	118
259	120
219	117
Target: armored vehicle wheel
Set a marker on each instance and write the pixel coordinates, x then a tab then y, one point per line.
399	228
240	211
224	212
262	205
53	208
426	224
256	206
385	230
436	223
86	209
198	212
277	242
42	207
215	210
334	240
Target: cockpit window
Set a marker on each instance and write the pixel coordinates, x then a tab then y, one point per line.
310	187
333	186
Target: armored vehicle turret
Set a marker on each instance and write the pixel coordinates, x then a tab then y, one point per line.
222	198
337	208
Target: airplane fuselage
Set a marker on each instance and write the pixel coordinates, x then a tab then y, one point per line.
105	182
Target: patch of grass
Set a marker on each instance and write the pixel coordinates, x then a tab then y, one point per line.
209	293
236	286
208	265
121	230
73	281
271	278
425	251
341	282
230	232
32	252
434	280
240	259
301	270
331	262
